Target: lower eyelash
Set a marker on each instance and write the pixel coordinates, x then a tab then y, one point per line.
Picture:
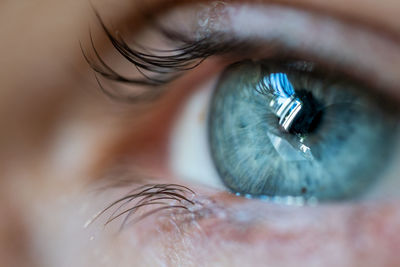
151	199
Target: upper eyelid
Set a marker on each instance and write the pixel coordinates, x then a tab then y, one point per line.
189	64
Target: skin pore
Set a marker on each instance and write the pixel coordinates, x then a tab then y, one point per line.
59	133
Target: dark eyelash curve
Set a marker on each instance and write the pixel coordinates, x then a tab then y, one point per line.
155	69
159	197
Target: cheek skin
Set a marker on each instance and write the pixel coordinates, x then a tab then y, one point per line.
237	232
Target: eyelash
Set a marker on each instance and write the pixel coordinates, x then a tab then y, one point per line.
162	68
160	197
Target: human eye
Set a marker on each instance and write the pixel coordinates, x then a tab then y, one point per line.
267	142
268	139
268	109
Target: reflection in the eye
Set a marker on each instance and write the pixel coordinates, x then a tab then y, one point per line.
295	115
288	151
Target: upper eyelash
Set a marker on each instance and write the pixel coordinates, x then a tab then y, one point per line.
162	68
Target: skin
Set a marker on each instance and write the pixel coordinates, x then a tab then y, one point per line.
59	134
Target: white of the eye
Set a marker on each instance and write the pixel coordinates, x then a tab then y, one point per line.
190	158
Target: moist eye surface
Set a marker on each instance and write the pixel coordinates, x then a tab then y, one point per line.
278	129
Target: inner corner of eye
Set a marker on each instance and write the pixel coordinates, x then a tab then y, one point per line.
189	153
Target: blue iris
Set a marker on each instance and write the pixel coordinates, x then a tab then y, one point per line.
338	143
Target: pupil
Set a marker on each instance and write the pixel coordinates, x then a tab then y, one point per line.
310	115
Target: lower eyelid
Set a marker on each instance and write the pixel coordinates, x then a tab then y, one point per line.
276	230
221	225
349	235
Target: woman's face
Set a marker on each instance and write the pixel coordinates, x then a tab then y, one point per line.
199	133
